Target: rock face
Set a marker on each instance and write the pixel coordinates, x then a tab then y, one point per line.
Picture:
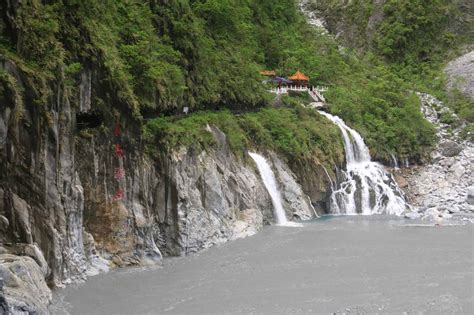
24	285
313	16
445	185
77	201
460	73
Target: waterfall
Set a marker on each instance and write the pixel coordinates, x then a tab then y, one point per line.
270	183
394	161
366	188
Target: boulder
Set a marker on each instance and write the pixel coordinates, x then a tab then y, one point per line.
248	223
24	285
446	215
412	215
450	148
33	251
454	209
431	214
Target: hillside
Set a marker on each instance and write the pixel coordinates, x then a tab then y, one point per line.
148	59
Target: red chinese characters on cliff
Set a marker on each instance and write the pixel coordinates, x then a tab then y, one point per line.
119	151
119	172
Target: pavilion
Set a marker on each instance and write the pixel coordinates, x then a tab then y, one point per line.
268	73
299	79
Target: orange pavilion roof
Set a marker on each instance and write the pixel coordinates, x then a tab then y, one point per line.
268	73
299	76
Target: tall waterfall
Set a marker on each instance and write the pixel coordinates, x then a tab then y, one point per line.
366	187
270	183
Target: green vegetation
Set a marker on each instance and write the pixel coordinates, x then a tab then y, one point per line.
298	133
152	58
414	38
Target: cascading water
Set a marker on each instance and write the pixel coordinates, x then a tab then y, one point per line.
270	183
394	161
366	187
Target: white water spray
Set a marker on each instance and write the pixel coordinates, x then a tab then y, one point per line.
270	183
394	161
367	188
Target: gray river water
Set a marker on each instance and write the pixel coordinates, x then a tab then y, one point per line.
352	265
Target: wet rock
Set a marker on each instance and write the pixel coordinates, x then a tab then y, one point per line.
295	200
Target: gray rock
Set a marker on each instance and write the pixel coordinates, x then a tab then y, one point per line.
24	285
450	148
454	209
470	196
460	73
295	200
446	215
458	169
248	223
33	251
3	302
444	181
412	215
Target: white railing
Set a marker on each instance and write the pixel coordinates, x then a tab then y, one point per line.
314	92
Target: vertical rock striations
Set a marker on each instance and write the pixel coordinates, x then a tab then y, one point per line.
70	207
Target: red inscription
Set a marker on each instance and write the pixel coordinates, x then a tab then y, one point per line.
119	194
119	151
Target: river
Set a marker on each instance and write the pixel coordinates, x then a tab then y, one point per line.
345	264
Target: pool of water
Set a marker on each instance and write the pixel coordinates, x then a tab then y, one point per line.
353	265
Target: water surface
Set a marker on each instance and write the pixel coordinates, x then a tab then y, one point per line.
365	264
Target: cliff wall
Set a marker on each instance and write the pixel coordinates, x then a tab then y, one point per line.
77	201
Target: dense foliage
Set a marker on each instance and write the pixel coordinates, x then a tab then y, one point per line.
415	38
296	132
155	57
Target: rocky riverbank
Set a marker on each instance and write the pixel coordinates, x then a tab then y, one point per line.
445	186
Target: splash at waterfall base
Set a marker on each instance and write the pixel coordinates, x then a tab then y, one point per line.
271	185
364	187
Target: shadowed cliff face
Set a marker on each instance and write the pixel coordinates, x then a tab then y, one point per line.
72	204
